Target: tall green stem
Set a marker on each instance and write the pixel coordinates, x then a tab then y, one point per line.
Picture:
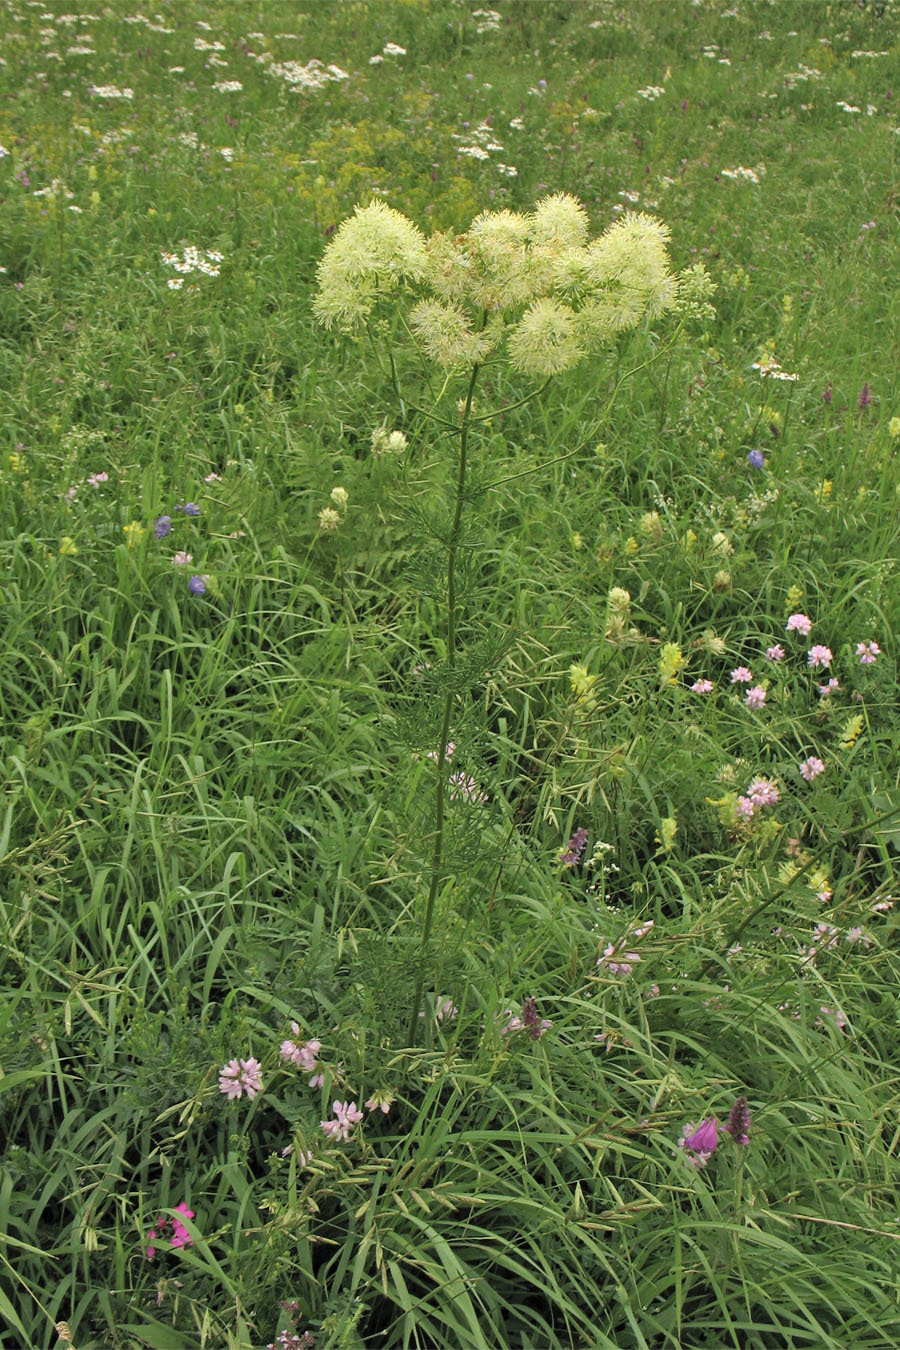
440	797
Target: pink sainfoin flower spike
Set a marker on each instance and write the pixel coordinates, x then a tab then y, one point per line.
819	657
800	623
867	652
240	1076
699	1142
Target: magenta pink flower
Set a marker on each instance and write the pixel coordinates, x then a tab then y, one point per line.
819	657
179	1237
775	653
702	687
699	1142
755	697
811	768
831	687
799	623
867	652
741	675
240	1076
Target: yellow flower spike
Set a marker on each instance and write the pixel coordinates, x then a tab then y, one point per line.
671	661
665	835
133	533
894	426
67	544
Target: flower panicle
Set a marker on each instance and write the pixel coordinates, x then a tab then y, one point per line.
535	278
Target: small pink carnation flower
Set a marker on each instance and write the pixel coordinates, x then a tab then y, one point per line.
819	657
240	1076
867	652
799	623
763	792
833	1015
346	1115
302	1054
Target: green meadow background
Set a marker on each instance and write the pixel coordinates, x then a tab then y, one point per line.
216	811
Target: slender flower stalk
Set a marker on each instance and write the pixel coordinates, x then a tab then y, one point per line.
440	796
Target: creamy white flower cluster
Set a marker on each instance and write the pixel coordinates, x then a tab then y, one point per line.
536	282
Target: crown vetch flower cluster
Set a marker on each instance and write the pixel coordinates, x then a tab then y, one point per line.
535	281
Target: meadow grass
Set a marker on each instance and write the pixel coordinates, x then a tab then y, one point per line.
217	825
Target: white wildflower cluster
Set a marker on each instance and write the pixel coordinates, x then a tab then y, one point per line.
192	260
535	281
486	20
386	442
228	86
770	368
652	92
480	143
311	76
742	175
110	91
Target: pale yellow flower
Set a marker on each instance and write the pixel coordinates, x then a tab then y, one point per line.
133	533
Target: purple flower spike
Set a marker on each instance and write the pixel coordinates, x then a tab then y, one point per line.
191	509
572	853
162	527
738	1123
756	459
197	585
